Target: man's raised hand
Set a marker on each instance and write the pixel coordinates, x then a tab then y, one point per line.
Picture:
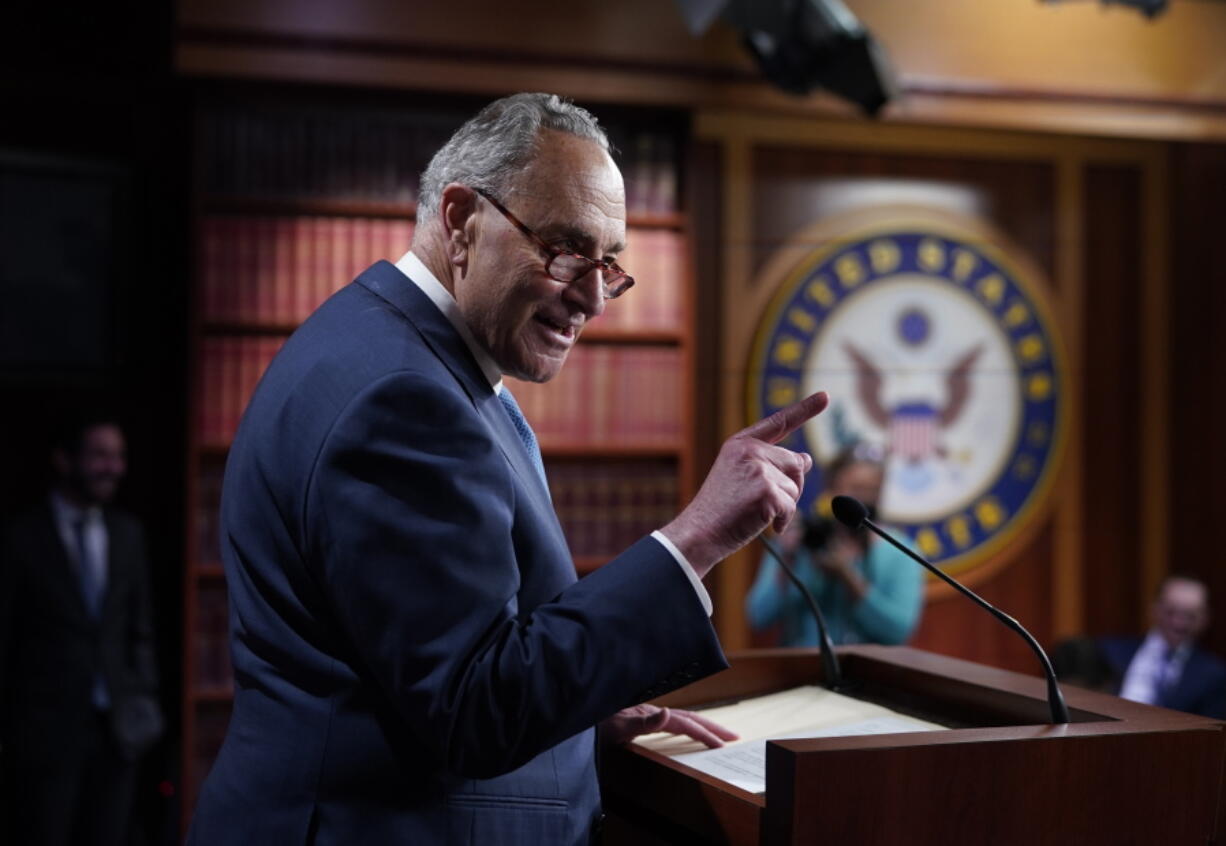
754	483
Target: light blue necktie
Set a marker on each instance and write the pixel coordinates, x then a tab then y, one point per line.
93	585
88	570
524	431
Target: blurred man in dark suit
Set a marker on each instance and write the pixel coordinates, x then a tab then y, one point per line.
77	675
1165	667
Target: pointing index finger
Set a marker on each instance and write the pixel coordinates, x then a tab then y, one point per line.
785	421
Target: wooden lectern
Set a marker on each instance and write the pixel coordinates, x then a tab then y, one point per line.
1119	773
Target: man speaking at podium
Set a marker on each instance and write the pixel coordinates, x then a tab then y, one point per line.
415	661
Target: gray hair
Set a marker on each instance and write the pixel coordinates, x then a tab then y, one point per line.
490	150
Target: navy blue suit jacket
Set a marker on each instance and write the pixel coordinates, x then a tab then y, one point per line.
1201	688
415	661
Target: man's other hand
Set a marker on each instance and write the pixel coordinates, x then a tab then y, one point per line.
629	723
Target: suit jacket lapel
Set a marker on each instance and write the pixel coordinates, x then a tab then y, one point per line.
60	566
114	558
385	280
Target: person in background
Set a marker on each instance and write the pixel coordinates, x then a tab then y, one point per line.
77	677
868	591
1165	667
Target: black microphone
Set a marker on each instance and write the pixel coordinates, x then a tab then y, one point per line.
831	671
852	513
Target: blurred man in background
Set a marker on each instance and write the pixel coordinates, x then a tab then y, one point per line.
1164	667
77	674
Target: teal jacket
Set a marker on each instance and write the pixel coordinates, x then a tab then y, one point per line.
887	614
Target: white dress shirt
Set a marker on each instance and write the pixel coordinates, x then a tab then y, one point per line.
1151	670
67	517
412	267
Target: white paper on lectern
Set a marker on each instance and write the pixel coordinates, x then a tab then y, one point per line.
802	712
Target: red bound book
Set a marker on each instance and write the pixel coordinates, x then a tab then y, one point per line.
583	516
663	265
380	239
363	249
663	170
638	187
300	276
673	409
624	399
601	496
266	277
242	230
321	262
229	388
673	266
244	353
595	405
341	238
645	265
206	400
247	259
629	523
567	406
209	253
281	312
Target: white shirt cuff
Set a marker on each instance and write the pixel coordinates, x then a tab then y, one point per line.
703	596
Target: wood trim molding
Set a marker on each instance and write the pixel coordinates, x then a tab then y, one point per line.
392	63
1154	388
734	576
1067	585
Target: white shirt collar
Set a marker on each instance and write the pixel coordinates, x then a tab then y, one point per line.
420	275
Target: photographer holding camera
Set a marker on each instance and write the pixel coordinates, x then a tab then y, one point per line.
868	591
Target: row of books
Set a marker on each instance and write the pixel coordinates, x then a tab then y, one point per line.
649	166
605	506
378	156
230	368
276	270
656	258
340	154
211	638
608	395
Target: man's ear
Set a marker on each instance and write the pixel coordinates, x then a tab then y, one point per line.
459	205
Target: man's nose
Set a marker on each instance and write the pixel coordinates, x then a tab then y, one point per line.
588	292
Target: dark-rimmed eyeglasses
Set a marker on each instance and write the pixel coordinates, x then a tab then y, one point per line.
566	266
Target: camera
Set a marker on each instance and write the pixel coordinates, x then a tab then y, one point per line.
819	529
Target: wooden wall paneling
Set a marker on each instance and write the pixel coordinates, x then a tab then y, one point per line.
704	184
1154	505
1017	196
1068	582
1031	187
1021	68
732	579
1197	291
1111	412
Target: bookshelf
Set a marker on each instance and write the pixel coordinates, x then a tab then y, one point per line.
291	202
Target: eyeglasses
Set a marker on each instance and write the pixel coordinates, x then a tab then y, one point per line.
568	267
